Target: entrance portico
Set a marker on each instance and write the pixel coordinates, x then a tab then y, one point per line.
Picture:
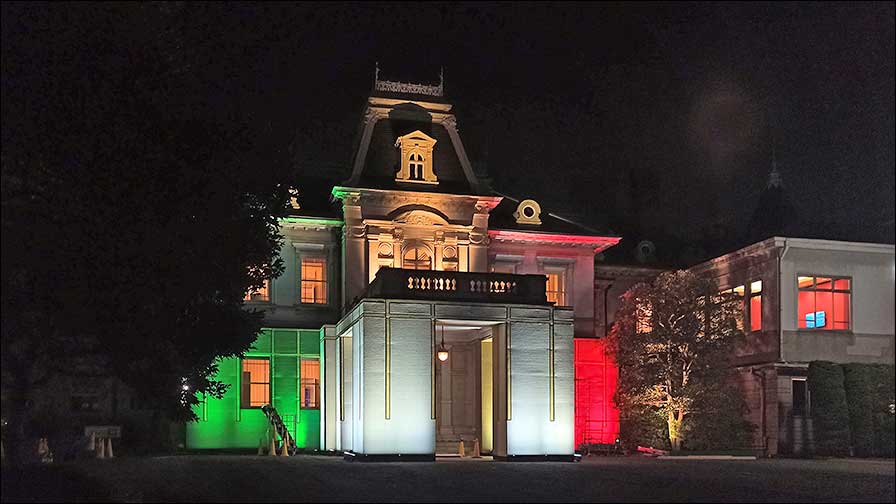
380	399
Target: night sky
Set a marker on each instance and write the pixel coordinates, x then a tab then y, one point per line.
657	121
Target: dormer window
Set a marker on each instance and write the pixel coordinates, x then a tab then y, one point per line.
416	158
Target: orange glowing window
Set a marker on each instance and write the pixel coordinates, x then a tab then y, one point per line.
261	295
555	288
824	303
256	383
416	258
310	378
755	306
314	280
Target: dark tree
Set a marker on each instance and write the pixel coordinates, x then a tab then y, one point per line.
139	201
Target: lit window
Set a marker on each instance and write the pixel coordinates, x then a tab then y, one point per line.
261	295
256	383
739	291
755	308
824	303
416	258
310	379
556	286
314	280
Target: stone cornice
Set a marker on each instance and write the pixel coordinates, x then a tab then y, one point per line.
596	243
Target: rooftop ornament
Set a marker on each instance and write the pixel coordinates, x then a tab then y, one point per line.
405	87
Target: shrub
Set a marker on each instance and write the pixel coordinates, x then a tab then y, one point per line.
860	395
830	413
869	393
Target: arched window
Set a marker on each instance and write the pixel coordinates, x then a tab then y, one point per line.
415	163
416	258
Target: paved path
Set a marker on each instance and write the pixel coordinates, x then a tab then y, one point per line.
305	478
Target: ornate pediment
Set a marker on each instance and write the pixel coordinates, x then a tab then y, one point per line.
420	218
416	158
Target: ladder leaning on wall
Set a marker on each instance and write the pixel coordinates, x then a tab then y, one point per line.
275	422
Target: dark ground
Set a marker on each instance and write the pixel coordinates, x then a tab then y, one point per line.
210	478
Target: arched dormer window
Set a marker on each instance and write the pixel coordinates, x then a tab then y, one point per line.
416	158
415	167
416	257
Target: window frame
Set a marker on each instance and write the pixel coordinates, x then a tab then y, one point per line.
565	269
416	246
247	404
300	258
317	387
813	288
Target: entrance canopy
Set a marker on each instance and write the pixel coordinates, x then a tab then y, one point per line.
380	372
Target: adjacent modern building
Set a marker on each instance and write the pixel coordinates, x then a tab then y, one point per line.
804	300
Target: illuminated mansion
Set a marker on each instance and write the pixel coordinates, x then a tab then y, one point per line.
414	254
418	309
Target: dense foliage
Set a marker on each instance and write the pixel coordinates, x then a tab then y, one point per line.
673	340
870	394
830	414
140	202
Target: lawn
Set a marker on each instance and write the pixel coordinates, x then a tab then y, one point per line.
233	478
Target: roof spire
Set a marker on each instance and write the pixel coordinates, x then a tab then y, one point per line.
774	176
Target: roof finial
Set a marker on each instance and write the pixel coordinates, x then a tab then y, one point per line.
376	74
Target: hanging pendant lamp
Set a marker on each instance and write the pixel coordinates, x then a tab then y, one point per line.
443	350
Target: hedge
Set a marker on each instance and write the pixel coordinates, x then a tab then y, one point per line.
830	413
869	390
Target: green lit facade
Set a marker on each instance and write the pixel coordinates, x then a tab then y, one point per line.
225	423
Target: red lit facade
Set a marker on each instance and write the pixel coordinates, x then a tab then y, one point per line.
597	419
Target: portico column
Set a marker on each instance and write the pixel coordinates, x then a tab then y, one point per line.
354	265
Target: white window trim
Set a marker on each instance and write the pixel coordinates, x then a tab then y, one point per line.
564	265
796	302
313	251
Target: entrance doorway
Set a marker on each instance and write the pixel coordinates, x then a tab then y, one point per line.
465	387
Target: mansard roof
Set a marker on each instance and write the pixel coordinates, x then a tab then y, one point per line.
392	114
502	218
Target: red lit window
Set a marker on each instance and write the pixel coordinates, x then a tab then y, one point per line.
755	309
256	383
314	280
310	379
823	303
261	295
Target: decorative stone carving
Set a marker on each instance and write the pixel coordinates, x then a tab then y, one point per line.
449	253
450	122
356	231
385	250
408	88
528	212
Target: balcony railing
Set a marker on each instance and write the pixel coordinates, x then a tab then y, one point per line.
457	286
